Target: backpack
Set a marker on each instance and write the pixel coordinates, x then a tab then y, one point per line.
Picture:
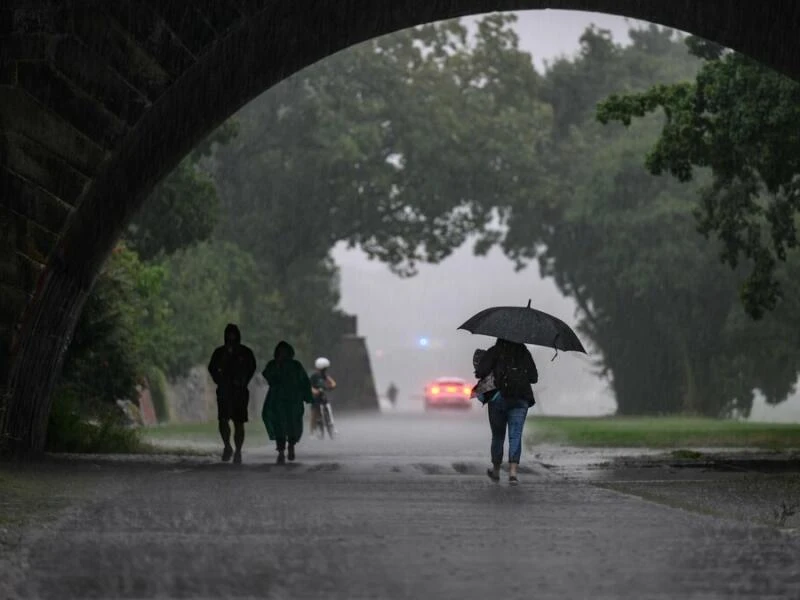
511	375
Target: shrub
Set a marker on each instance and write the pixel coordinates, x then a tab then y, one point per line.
73	428
157	383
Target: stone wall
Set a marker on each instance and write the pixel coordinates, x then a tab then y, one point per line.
193	399
352	370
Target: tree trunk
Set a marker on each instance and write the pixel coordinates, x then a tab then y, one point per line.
36	363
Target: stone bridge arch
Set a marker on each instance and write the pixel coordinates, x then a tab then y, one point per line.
99	100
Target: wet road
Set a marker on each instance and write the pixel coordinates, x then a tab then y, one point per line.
396	507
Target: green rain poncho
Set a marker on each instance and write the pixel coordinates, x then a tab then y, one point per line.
289	389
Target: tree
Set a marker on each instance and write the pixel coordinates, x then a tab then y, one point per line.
652	295
123	329
739	119
654	298
210	285
183	209
402	146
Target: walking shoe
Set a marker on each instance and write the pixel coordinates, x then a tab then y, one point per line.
291	453
512	480
493	475
227	453
281	459
237	457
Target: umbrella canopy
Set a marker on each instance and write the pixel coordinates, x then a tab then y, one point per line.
524	325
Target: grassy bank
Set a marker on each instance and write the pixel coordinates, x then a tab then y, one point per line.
661	432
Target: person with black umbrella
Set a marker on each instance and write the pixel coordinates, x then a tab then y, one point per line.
513	370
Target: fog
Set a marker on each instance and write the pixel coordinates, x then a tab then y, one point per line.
396	314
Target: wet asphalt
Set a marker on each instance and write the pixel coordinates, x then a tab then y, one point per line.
397	506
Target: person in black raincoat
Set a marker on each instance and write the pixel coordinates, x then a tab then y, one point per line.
512	367
232	366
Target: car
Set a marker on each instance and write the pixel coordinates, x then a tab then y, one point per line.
448	392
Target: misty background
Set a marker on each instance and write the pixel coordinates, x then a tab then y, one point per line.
395	314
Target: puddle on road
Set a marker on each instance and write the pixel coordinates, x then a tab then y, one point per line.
606	465
430	468
324	467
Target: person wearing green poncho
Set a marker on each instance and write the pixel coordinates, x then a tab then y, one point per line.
289	390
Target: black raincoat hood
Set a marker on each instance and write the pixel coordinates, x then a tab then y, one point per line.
283	350
232	330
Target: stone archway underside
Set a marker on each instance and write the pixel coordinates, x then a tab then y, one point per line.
99	100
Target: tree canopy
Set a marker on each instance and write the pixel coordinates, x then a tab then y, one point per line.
740	120
183	209
402	146
653	297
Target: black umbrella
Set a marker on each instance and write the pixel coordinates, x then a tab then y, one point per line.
524	325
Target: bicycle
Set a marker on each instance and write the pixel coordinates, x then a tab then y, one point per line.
325	421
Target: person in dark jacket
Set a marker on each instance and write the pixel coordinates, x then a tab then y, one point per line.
232	366
391	393
513	370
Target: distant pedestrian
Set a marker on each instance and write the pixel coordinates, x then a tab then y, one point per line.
391	394
289	391
232	366
511	366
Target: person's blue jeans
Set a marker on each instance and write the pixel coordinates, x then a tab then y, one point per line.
502	418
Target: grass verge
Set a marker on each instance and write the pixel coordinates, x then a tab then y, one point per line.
661	432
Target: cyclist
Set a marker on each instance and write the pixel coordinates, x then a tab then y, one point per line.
321	383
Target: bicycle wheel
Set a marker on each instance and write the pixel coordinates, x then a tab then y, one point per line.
328	421
321	422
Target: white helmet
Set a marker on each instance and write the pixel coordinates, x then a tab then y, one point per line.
322	363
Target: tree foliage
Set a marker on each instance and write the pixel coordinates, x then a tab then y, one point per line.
183	209
401	146
124	328
127	327
739	119
653	297
210	285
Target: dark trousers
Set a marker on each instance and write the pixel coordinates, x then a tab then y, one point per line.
238	433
